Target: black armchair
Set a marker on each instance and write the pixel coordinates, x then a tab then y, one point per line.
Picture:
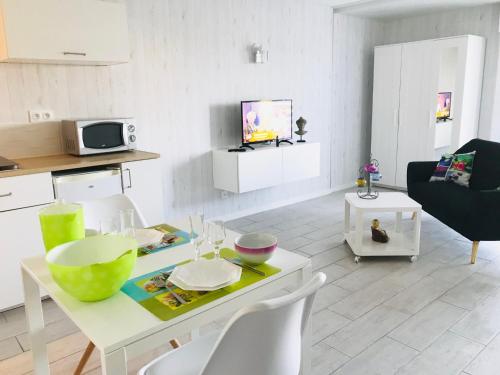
473	212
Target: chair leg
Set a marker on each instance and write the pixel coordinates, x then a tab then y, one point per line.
475	248
85	357
175	343
90	348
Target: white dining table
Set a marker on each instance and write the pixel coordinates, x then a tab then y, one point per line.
121	329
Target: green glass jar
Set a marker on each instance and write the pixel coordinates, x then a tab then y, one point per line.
60	223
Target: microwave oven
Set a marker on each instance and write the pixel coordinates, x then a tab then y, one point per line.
88	137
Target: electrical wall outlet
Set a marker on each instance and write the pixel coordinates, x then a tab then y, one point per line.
35	116
41	115
47	115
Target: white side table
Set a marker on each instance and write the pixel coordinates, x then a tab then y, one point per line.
400	243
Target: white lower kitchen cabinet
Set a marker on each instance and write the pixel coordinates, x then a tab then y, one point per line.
20	237
22	196
142	182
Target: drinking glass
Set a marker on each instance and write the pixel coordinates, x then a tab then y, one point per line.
127	227
109	225
197	233
216	234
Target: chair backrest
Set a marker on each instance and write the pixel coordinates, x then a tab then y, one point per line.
486	168
265	338
108	207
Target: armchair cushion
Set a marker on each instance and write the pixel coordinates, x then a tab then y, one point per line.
442	168
461	169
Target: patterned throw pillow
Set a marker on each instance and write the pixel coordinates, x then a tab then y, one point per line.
461	169
442	168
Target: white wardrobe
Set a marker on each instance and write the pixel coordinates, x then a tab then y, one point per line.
407	80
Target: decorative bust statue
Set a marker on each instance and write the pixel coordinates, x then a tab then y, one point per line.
301	124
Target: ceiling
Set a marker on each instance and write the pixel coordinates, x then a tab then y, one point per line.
398	8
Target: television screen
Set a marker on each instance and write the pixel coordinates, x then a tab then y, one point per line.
443	105
265	120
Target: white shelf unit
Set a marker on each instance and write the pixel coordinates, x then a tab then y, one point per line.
82	32
407	79
240	172
400	243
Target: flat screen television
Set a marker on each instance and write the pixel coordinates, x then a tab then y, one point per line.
443	106
264	120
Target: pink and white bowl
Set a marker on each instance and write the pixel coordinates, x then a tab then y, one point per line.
255	248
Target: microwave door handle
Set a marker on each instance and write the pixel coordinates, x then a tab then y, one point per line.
80	138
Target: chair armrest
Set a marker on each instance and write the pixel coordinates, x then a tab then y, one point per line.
486	211
420	171
488	200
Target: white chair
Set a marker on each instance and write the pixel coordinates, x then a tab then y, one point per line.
263	339
93	212
98	209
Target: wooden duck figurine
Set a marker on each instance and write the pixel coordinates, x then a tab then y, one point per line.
378	235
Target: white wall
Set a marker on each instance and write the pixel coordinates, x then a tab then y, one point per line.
482	21
190	68
354	40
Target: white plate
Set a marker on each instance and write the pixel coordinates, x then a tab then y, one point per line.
183	286
145	237
205	275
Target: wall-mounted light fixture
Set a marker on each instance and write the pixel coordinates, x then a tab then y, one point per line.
261	56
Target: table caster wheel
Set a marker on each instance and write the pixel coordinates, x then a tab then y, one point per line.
357	259
413	258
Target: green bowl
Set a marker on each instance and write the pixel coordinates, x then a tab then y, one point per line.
94	268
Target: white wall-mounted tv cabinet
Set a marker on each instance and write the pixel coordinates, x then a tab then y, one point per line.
240	172
407	79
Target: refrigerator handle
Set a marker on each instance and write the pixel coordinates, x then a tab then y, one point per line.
129	179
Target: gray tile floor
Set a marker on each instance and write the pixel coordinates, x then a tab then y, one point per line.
439	315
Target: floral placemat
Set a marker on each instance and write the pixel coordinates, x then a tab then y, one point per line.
165	306
172	237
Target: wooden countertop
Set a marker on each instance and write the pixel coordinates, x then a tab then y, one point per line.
54	163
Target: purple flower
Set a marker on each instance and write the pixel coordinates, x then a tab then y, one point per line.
371	168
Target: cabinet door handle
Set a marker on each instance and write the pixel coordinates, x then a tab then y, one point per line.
129	179
65	53
5	195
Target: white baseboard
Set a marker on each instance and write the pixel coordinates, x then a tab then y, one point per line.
286	202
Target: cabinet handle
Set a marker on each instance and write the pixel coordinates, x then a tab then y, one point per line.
5	195
129	179
65	53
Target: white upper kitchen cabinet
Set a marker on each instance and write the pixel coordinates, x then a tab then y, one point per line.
82	32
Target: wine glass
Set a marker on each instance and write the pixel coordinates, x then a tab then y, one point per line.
127	227
109	225
216	234
197	233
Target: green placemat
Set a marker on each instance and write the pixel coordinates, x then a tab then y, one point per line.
161	303
172	237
